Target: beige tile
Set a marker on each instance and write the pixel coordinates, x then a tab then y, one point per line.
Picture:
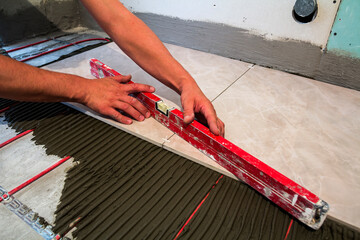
213	74
307	130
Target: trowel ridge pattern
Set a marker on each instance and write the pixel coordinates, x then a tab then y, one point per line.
123	187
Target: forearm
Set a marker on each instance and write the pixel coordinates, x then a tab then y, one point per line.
22	82
139	43
142	46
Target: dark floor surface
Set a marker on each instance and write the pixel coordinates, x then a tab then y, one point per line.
126	188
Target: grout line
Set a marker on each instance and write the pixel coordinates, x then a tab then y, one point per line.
163	144
250	67
171	136
233	83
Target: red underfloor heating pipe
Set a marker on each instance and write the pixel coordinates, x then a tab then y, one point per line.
26	183
8	107
36	177
197	208
16	137
62	47
29	45
31	180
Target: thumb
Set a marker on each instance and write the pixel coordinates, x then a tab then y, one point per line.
189	115
122	79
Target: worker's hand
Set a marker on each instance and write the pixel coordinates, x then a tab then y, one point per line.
108	95
194	101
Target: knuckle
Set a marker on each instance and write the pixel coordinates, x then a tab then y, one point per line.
138	115
133	86
147	87
125	107
132	100
116	116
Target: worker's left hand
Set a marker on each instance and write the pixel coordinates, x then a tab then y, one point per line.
194	101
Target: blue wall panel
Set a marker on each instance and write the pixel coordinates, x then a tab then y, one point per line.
345	35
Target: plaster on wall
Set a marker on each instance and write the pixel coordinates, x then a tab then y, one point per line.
271	19
21	19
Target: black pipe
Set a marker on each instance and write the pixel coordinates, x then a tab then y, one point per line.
305	11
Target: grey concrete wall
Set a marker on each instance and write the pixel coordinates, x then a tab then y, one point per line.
287	55
21	19
86	19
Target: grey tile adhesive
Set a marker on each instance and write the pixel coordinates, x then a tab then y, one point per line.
126	188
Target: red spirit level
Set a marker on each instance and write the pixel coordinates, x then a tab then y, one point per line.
293	198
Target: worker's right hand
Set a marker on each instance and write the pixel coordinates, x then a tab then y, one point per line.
109	95
195	102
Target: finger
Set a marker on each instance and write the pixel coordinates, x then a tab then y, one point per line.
122	79
138	87
210	115
189	115
119	117
137	105
221	127
130	110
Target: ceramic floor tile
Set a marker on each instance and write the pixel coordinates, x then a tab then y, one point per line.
213	74
307	130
